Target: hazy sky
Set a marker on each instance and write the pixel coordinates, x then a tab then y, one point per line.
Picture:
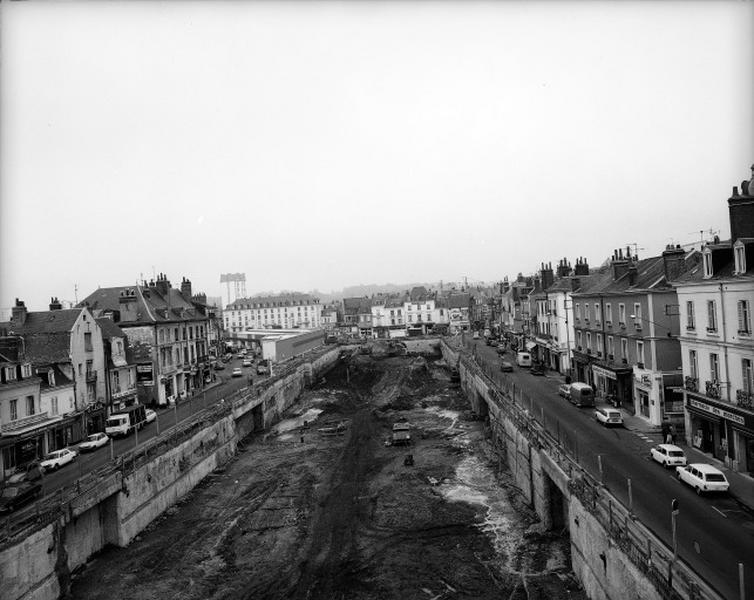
319	145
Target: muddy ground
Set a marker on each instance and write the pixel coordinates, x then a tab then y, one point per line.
341	516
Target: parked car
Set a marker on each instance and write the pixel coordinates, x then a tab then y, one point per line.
58	458
703	478
94	441
506	367
150	415
16	495
523	359
581	394
476	335
237	372
263	367
537	369
668	455
219	367
608	416
564	389
29	472
246	362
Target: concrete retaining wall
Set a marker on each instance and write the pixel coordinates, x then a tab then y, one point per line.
120	506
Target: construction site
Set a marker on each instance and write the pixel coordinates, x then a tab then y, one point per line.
379	483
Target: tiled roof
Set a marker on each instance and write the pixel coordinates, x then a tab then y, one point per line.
48	348
109	328
47	321
458	300
650	275
60	378
723	264
293	299
146	305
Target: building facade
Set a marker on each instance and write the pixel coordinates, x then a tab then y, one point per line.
286	311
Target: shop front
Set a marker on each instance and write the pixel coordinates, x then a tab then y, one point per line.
721	430
614	385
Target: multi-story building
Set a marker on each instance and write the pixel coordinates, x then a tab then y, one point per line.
286	311
22	422
357	316
626	327
167	331
717	344
388	316
120	367
420	309
69	340
330	317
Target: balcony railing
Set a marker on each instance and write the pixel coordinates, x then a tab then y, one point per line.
691	384
621	324
637	326
712	389
745	399
608	323
711	329
91	376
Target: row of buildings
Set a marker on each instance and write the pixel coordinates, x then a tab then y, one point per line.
63	371
668	337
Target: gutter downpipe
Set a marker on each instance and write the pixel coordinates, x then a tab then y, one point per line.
727	370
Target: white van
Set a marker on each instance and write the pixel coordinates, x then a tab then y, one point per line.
523	359
581	394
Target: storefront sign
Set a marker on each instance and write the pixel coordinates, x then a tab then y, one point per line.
718	412
145	374
599	371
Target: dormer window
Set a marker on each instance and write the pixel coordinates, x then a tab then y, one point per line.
707	260
26	370
739	254
51	378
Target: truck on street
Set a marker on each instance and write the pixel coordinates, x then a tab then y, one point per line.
126	420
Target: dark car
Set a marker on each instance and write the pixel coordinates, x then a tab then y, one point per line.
506	367
537	369
219	367
16	495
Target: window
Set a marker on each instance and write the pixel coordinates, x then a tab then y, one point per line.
707	258
54	405
640	352
714	367
578	340
578	311
88	342
586	312
26	370
624	349
588	341
637	315
622	313
10	373
744	317
610	346
690	318
711	316
119	347
609	313
693	366
739	255
116	382
29	405
81	369
14	409
599	343
597	313
747	384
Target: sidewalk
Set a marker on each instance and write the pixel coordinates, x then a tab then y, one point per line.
741	484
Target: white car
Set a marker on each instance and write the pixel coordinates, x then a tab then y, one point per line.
237	372
94	441
246	362
58	458
668	455
608	416
703	478
150	415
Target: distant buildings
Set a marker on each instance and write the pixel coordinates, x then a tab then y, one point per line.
286	311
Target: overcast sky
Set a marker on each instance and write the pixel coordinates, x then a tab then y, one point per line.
320	145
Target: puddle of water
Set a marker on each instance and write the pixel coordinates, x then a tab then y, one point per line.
476	484
296	422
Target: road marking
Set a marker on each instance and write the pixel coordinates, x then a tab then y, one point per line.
721	512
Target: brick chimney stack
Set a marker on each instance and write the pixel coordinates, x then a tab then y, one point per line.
582	267
18	313
620	263
564	268
162	284
674	259
741	210
186	288
55	304
547	275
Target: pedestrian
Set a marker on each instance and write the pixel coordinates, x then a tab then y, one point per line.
672	434
669	438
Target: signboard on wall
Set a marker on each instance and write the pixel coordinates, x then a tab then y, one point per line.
145	374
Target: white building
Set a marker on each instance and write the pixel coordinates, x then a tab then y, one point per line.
285	311
717	345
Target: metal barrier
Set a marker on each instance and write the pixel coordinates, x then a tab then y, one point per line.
673	578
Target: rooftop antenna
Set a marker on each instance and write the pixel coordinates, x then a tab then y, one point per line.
635	246
76	292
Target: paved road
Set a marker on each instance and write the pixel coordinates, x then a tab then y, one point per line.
166	418
714	534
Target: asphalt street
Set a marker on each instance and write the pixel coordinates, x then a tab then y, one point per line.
714	534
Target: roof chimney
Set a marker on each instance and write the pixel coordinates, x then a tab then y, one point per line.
564	268
55	304
582	267
547	276
18	313
162	284
619	264
674	259
186	288
741	210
